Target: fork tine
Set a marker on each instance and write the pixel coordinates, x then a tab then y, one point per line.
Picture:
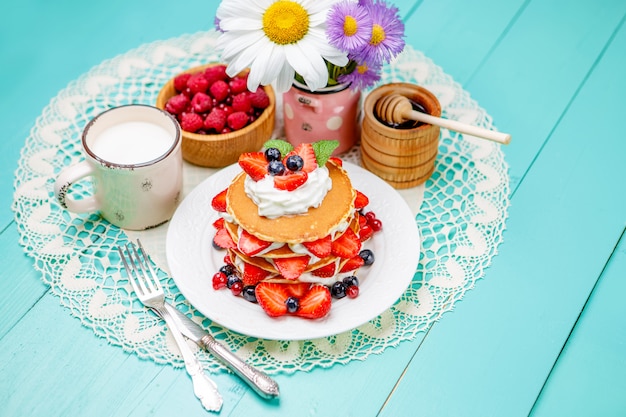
154	282
129	270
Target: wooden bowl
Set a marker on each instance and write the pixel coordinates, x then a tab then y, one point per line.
220	150
404	157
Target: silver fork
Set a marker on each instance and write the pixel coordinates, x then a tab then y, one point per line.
149	291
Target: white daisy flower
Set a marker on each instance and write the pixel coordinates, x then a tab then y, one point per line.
276	39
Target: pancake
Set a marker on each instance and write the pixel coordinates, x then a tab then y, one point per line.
336	208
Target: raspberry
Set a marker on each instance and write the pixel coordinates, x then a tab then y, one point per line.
237	120
180	81
241	102
215	73
219	90
215	120
201	103
259	99
197	83
191	122
238	85
177	104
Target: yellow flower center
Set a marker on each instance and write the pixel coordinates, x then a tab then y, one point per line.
362	69
285	22
378	35
350	26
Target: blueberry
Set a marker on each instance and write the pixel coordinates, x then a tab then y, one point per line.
272	154
292	304
367	256
249	294
338	290
232	279
294	163
276	168
228	270
351	280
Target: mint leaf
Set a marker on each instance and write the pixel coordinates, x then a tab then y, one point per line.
323	150
283	146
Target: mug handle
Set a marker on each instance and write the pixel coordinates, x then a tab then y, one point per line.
64	181
313	103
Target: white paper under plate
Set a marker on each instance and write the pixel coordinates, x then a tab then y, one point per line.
193	261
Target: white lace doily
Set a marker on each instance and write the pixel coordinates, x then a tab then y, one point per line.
461	218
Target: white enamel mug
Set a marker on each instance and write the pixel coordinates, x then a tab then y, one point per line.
133	155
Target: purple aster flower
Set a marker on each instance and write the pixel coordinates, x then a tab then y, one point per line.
386	39
362	77
216	24
348	26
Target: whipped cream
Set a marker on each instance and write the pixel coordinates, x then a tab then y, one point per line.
273	203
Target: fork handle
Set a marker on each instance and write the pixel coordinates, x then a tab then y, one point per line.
262	384
203	387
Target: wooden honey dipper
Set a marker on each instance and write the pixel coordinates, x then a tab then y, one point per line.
395	108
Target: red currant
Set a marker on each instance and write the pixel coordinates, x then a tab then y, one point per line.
219	280
352	291
237	287
375	224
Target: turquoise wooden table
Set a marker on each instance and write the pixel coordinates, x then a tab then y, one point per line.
543	333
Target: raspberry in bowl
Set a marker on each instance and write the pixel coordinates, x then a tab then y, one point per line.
219	117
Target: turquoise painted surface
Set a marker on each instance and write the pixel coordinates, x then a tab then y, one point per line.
541	334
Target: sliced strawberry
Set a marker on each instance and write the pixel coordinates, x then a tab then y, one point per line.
290	181
316	303
325	271
292	268
298	290
271	297
306	152
353	263
219	201
365	232
361	200
337	161
362	219
219	223
347	245
251	245
320	247
254	164
252	274
223	240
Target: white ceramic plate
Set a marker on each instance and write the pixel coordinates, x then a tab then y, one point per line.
193	261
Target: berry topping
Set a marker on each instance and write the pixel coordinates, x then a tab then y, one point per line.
365	232
249	293
272	154
352	291
219	201
316	303
294	163
271	297
276	167
338	290
353	263
292	268
292	304
375	224
251	245
347	245
231	280
241	102
254	164
298	289
228	270
325	271
368	256
223	240
291	181
306	152
219	223
351	280
237	287
320	248
201	103
219	280
336	161
252	274
361	201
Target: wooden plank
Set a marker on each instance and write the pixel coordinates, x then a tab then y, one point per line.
492	356
588	378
